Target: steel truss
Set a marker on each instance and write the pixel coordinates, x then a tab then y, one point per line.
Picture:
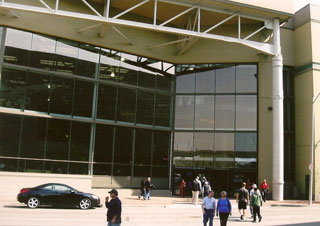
189	35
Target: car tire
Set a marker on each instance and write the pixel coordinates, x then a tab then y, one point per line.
33	202
85	203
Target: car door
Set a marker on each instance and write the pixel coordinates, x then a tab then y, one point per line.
65	196
47	195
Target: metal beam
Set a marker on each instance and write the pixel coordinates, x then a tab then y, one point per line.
221	22
57	6
122	35
188	46
177	16
89	27
93	9
46	5
169	43
130	9
255	32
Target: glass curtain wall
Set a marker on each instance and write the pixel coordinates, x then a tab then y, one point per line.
72	108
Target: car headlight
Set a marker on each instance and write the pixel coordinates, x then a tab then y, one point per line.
95	197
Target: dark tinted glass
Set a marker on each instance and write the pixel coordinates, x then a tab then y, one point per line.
164	83
145	108
126	105
61	95
161	144
162	115
106	102
31	166
109	65
55	167
80	141
147	80
87	60
83	99
141	171
128	73
10	126
38	92
142	153
12	88
246	148
78	168
66	56
123	146
8	165
160	171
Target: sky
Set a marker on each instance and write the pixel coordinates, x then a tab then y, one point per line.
301	3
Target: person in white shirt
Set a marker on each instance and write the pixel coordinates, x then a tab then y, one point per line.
208	209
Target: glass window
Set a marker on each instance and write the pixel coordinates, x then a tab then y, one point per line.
203	147
246	142
205	81
38	92
8	165
185	83
142	153
224	112
123	151
225	80
61	95
161	144
60	187
17	48
66	56
183	149
128	73
106	102
10	126
109	65
160	172
31	166
141	171
12	88
162	115
224	142
164	83
126	104
145	107
184	114
246	112
55	167
33	137
42	52
83	98
58	139
204	112
147	80
87	60
246	78
80	141
78	168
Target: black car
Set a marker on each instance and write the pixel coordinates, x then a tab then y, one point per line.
57	195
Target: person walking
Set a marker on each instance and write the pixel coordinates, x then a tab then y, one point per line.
196	188
206	189
182	188
242	199
224	208
250	195
114	208
142	189
148	187
208	209
256	202
264	190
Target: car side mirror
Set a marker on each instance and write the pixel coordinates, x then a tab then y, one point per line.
73	192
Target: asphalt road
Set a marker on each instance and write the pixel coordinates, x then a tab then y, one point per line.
144	213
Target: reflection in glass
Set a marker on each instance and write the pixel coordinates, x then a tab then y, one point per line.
30	166
123	146
246	150
106	106
128	73
225	112
224	150
87	60
126	104
61	95
12	88
204	112
246	112
80	141
142	153
161	144
205	81
184	114
83	99
246	78
185	83
109	65
121	170
78	168
10	126
145	108
141	171
183	149
203	147
9	165
146	80
160	172
37	92
55	167
225	80
17	48
162	115
164	83
66	56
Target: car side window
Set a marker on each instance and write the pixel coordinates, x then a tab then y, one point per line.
61	188
48	187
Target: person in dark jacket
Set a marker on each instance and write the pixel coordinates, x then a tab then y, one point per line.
149	187
206	189
142	189
114	209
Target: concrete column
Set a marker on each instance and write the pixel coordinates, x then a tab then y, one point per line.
277	94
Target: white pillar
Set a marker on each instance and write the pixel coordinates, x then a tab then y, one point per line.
277	94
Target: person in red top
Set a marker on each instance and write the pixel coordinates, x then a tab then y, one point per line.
182	188
264	187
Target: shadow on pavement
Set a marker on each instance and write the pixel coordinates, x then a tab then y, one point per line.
43	207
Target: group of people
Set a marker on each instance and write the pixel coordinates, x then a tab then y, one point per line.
145	189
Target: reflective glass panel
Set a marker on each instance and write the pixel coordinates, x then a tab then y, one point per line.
225	112
8	165
142	153
109	65
66	56
203	147
246	112
185	83
246	78
106	102
146	79
183	149
141	171
31	166
88	59
55	167
184	114
80	141
160	172
205	81
162	115
224	150
12	88
123	146
78	168
83	99
145	107
164	83
225	80
161	144
204	112
128	73
246	150
126	104
38	92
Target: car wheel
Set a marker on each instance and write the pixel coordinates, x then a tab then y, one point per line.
33	202
85	203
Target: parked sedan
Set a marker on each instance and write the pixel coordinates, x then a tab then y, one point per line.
57	194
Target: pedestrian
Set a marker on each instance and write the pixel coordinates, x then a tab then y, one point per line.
196	188
148	187
203	181
250	195
264	190
206	189
114	208
242	199
248	184
208	209
142	189
224	208
182	188
256	202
